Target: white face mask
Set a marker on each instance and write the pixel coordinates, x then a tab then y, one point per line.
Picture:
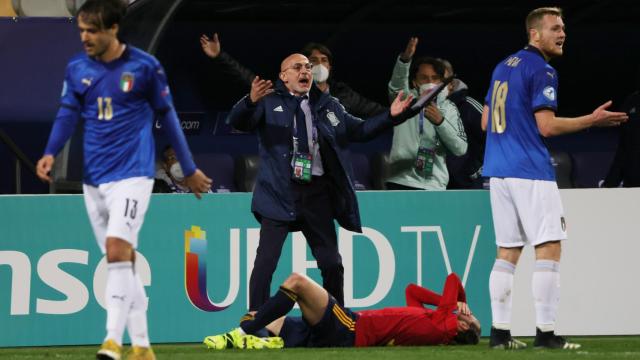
320	73
176	172
429	86
426	87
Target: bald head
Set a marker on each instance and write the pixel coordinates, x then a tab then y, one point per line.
291	60
295	73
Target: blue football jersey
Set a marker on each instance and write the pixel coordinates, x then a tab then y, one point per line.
117	101
521	84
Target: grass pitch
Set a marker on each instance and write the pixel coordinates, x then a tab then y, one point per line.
606	348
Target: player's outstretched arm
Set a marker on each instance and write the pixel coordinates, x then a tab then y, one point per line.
199	183
550	125
603	117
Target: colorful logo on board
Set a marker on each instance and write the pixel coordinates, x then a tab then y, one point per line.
195	269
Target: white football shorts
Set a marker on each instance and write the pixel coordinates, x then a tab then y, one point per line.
117	209
526	212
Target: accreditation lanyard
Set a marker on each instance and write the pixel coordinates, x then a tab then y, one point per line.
421	122
314	132
302	162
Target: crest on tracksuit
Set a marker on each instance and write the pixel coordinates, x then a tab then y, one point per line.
333	119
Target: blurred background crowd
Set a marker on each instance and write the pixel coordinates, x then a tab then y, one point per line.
356	47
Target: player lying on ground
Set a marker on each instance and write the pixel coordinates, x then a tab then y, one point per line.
325	323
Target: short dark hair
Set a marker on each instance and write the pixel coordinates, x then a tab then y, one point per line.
536	15
323	49
469	337
437	65
103	13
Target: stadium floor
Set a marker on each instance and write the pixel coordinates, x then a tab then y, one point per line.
613	347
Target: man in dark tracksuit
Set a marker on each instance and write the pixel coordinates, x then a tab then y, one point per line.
285	199
464	171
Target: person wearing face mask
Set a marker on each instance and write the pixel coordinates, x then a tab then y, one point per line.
355	104
319	55
169	176
305	179
420	145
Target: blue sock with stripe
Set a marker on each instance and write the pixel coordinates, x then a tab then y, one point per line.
260	333
277	306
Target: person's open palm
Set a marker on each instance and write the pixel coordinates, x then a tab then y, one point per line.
260	88
400	105
211	46
604	117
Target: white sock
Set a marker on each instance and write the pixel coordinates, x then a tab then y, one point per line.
500	288
137	320
118	296
546	293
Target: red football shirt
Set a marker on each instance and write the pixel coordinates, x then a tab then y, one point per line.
413	325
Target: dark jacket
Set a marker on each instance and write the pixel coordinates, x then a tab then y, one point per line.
272	196
626	164
464	171
353	102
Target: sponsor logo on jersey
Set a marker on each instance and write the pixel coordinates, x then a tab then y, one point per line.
549	92
126	82
86	81
278	108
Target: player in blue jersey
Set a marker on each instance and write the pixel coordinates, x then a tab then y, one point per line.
519	110
117	91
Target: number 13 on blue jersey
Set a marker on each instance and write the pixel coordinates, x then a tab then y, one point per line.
105	110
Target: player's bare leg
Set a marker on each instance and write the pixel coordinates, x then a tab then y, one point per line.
312	298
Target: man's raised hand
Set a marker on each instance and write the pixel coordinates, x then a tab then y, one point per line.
399	105
259	89
409	50
211	47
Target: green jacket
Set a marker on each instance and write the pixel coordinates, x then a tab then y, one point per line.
448	136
